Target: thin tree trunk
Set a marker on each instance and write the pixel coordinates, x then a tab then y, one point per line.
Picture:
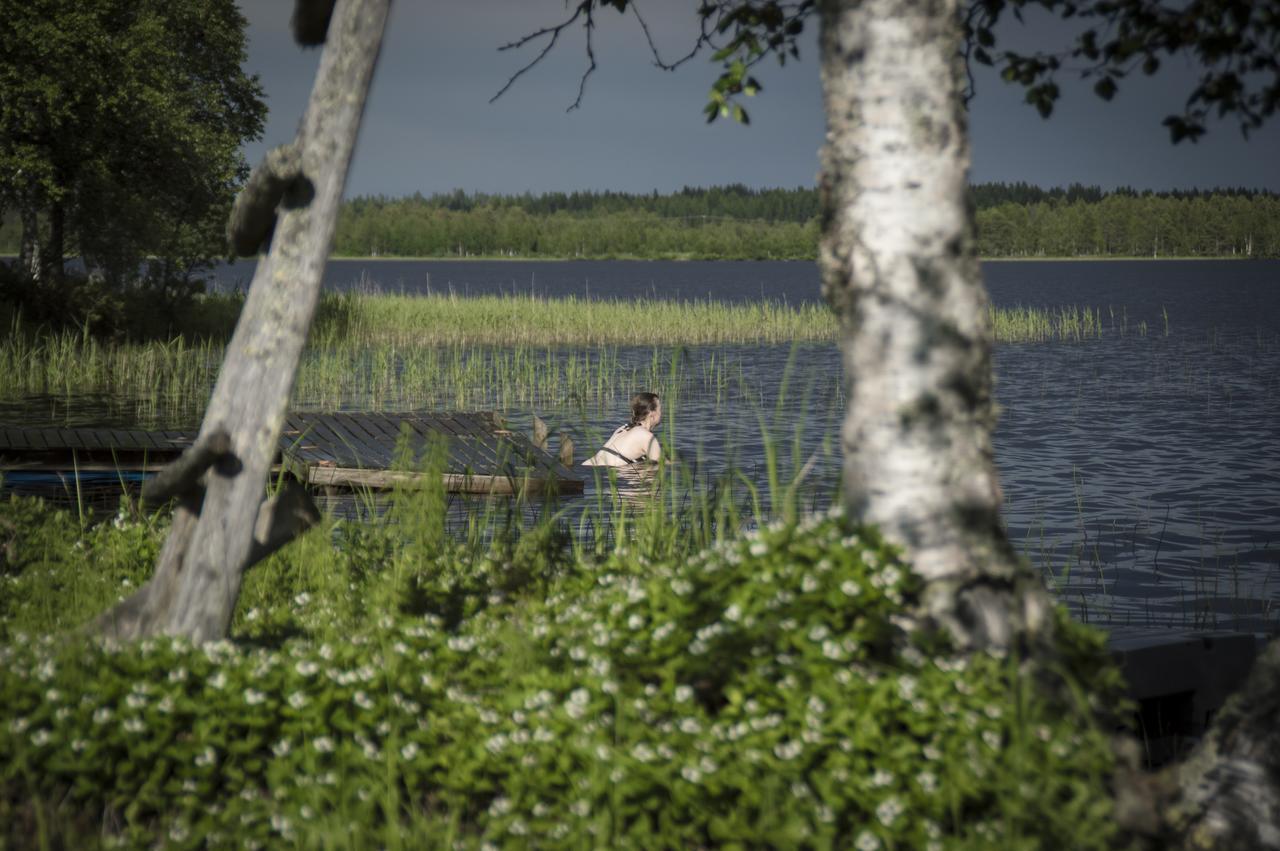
53	259
29	250
214	539
899	267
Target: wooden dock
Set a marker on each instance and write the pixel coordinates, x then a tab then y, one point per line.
329	451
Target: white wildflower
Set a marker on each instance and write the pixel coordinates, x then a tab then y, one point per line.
576	705
323	744
889	810
788	750
253	697
867	841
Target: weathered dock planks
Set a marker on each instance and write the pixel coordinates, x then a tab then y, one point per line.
324	450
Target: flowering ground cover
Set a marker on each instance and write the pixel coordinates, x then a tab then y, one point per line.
385	686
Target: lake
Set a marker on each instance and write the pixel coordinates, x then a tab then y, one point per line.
1141	470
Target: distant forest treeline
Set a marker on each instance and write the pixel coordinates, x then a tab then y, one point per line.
737	222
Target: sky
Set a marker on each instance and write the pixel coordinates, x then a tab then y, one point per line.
429	126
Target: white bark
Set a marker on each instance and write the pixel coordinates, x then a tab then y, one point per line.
212	541
899	267
1230	787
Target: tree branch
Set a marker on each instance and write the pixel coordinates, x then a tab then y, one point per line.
554	32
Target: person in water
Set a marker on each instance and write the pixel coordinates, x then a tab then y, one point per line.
634	442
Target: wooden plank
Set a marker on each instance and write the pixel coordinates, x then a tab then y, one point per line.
458	457
100	439
15	438
67	438
300	470
536	463
489	443
59	466
122	440
386	431
524	447
475	458
176	441
342	448
453	482
359	440
354	432
294	433
35	438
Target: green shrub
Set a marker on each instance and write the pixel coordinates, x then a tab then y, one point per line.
757	695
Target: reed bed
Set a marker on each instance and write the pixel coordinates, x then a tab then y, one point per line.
529	320
1042	325
394	351
520	319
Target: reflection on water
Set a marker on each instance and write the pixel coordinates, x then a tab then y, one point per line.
1141	471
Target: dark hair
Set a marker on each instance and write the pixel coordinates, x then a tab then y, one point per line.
642	405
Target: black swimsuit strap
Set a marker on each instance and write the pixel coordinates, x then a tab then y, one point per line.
613	451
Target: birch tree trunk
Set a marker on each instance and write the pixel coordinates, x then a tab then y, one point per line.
900	269
1229	790
222	526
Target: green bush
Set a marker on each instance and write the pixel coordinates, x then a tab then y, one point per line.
760	694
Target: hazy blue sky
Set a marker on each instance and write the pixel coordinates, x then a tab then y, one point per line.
430	128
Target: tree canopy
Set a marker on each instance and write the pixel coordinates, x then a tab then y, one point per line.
121	123
1236	44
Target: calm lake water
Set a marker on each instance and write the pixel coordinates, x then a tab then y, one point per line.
1141	471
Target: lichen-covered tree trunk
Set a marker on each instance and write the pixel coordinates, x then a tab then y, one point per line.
1229	790
222	526
899	267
